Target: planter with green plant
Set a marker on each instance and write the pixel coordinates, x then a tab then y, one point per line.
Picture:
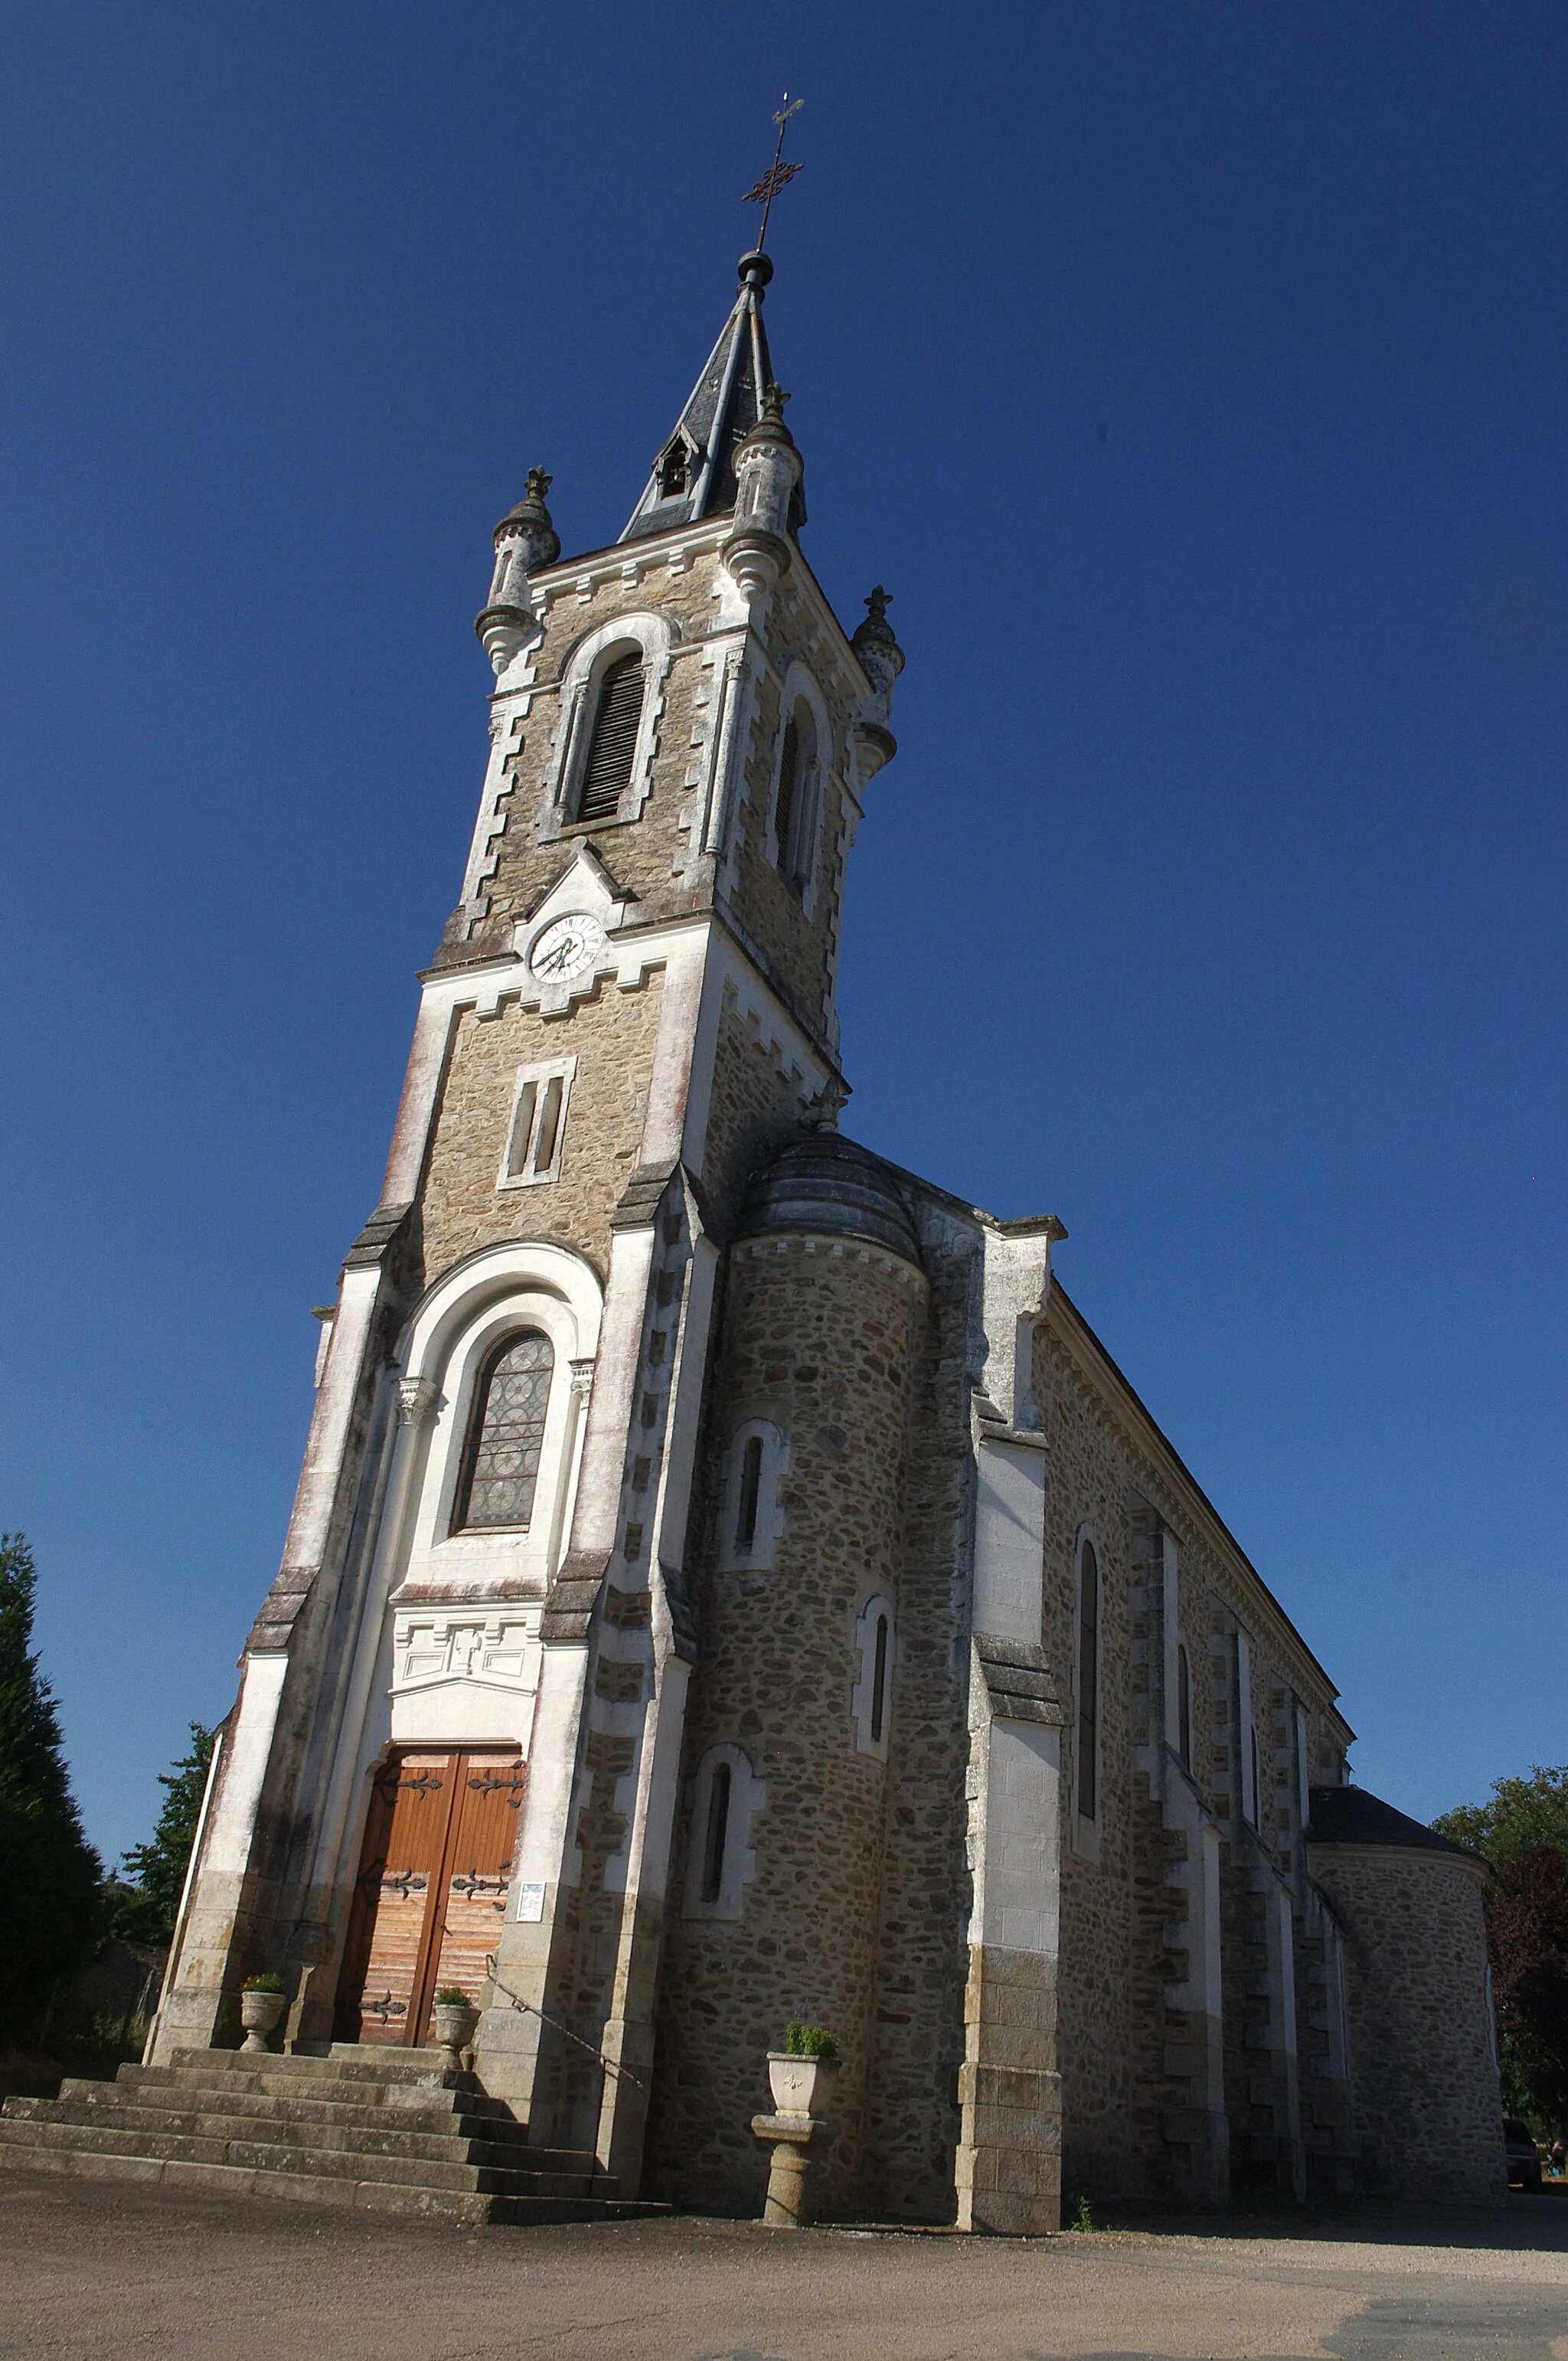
262	2000
803	2074
457	2021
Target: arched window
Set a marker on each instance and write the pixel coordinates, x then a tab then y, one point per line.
1183	1710
750	1491
501	1468
726	1799
794	807
749	1517
607	768
1088	1783
715	1837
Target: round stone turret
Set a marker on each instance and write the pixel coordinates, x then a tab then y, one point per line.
524	539
834	1188
881	661
768	470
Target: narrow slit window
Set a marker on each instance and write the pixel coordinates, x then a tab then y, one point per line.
718	1833
794	809
549	1123
521	1130
606	772
750	1492
783	809
1088	1683
1183	1710
538	1125
878	1681
506	1436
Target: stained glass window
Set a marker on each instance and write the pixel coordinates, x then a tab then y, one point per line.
506	1434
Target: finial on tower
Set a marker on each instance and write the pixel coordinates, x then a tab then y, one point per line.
524	539
881	659
772	418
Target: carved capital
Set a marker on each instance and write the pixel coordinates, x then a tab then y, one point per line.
581	1379
417	1400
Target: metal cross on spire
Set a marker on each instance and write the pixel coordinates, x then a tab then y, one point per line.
778	175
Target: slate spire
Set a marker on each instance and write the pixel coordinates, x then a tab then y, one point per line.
694	474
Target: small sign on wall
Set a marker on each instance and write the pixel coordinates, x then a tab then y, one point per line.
530	1902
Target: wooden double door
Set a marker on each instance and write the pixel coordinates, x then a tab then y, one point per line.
432	1895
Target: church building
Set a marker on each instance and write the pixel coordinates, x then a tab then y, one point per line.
730	1580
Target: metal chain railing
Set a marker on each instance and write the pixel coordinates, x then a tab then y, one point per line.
623	2073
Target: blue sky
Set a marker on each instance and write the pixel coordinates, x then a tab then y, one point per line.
1192	372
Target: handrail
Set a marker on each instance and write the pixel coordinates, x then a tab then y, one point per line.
610	2065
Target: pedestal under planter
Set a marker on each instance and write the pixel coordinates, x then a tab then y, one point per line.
801	2086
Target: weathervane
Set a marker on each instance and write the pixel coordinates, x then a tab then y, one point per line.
777	176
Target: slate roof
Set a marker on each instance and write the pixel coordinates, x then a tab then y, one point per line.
725	404
832	1185
1355	1815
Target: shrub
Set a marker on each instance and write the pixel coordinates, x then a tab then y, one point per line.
450	1997
266	1983
802	2040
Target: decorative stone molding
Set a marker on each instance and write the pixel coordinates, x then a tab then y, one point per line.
652	635
418	1400
832	1249
487	1650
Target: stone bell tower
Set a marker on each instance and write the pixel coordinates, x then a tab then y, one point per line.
480	1637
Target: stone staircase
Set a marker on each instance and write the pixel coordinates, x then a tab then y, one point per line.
392	2130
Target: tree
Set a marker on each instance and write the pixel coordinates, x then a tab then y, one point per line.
49	1874
1518	1816
145	1910
1526	1937
1522	1833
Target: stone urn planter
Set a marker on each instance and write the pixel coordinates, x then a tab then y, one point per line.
457	2022
801	2086
259	2012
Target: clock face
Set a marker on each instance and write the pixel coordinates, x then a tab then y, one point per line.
567	948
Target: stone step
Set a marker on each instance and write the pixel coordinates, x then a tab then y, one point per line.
346	2063
375	2196
376	2138
31	2134
395	2131
472	2118
393	2098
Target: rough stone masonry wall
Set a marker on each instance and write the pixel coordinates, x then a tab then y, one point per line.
1428	2113
653	856
755	1109
922	1958
612	1035
821	1343
1124	2054
798	950
648	855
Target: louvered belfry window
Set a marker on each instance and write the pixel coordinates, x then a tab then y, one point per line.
608	770
506	1434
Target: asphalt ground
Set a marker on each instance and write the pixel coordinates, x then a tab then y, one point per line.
89	2271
